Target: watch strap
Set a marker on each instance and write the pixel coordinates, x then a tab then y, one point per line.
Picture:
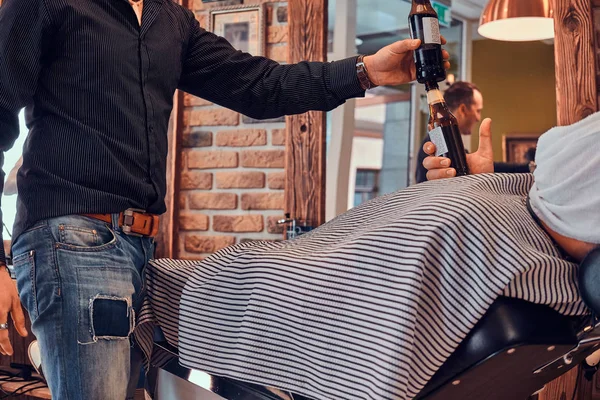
362	73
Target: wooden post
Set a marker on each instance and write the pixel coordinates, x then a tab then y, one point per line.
166	240
596	18
305	144
576	89
576	48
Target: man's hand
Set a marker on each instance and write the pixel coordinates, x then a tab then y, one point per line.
480	162
395	65
9	303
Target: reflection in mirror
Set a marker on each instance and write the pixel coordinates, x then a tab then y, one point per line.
518	84
385	133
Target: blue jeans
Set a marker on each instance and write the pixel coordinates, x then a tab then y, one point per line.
81	281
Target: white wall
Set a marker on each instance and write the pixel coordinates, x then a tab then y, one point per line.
374	113
9	203
366	153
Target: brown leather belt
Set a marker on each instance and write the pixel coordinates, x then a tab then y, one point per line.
133	222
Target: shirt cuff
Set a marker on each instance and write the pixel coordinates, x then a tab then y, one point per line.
2	255
343	79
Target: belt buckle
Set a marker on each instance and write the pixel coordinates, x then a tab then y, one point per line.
128	221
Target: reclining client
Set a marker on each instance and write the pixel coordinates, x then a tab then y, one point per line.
371	304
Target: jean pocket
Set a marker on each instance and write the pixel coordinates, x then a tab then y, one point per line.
85	236
24	266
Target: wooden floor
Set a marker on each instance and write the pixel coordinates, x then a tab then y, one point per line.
40	390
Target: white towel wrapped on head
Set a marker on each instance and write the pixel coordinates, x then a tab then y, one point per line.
566	192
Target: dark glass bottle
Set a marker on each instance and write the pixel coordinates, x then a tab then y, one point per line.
424	24
443	130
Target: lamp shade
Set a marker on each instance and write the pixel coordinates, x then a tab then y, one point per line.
517	20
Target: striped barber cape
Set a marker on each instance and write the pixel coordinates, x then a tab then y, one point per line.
370	304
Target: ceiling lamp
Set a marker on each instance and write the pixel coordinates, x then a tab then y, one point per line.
517	20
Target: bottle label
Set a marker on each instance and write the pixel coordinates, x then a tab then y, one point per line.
431	31
434	96
437	138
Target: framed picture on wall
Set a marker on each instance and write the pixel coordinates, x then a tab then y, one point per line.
516	146
242	26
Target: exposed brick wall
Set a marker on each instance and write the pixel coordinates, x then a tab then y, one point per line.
232	179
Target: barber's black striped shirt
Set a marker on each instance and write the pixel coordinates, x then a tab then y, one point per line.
99	87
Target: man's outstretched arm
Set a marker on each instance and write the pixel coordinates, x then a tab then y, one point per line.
262	88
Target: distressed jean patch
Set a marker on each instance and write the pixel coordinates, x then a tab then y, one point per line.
111	317
105	296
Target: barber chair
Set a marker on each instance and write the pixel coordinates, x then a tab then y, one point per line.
514	350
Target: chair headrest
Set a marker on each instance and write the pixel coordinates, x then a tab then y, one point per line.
589	280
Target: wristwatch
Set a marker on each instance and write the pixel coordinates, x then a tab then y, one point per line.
363	76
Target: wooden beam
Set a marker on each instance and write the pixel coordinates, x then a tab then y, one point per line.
596	18
561	388
305	144
166	240
577	95
576	90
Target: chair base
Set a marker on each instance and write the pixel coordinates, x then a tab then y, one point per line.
203	385
507	375
514	350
